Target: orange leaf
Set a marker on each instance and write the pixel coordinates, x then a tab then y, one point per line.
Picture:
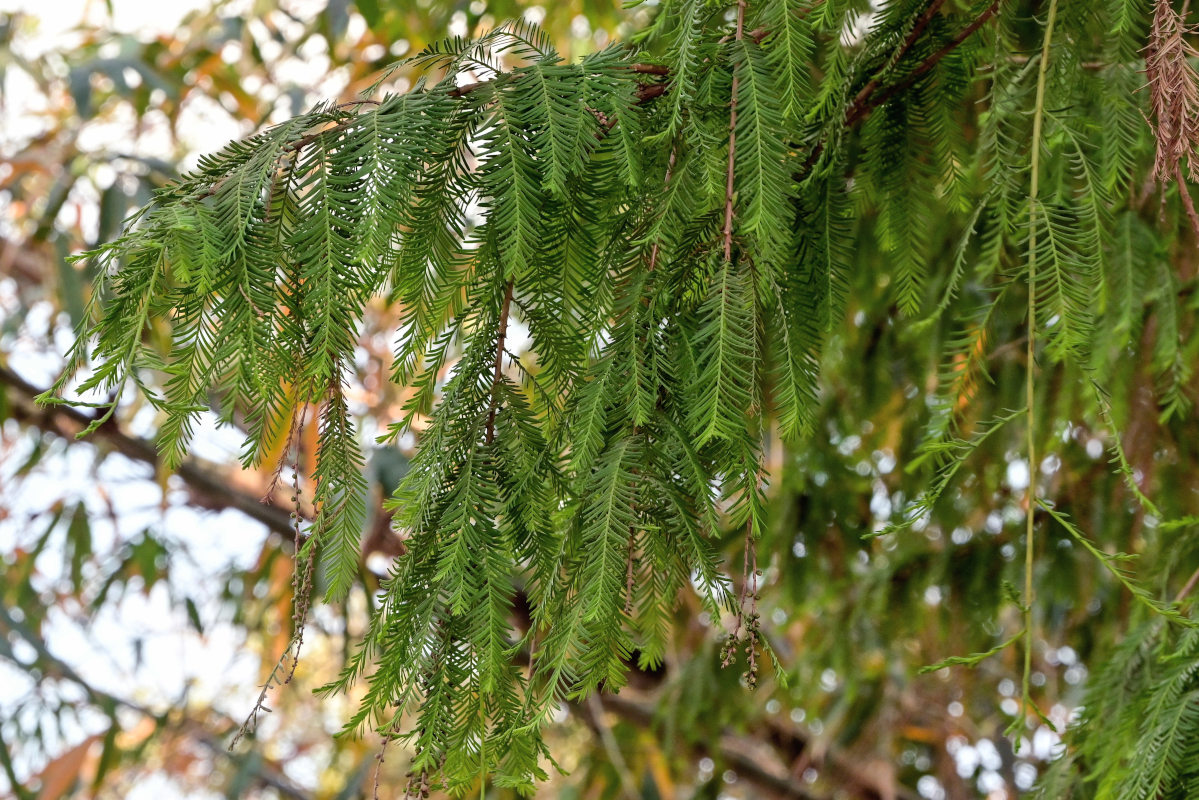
61	774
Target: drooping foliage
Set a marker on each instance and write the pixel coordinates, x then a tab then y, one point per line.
673	226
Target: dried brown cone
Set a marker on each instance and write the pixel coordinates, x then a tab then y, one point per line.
1174	96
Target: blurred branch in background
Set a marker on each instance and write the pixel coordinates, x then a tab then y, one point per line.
212	489
167	723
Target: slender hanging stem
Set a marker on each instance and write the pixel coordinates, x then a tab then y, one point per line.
653	253
728	186
499	361
1030	387
302	577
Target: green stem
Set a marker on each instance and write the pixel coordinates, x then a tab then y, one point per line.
1037	120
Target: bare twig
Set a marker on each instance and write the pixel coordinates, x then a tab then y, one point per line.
858	111
1188	587
630	575
391	733
653	252
753	761
301	580
1188	204
628	784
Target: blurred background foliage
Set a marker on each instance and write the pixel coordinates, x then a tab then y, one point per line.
139	610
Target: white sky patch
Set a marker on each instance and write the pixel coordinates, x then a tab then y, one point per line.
129	16
1017	475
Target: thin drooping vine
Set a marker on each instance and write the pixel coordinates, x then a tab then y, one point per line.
738	36
1029	597
304	553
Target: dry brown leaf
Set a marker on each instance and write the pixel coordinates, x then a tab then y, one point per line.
1174	97
60	775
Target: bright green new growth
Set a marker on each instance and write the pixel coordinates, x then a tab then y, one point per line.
676	270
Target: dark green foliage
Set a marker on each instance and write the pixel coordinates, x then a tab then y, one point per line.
1138	735
677	298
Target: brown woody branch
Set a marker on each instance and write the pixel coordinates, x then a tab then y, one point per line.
204	480
728	186
918	28
867	98
646	92
1188	204
735	752
23	261
759	763
858	112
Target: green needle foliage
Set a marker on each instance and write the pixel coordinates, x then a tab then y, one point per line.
675	224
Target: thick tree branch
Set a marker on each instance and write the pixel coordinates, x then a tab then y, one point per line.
729	749
204	480
868	98
1187	203
645	92
23	261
